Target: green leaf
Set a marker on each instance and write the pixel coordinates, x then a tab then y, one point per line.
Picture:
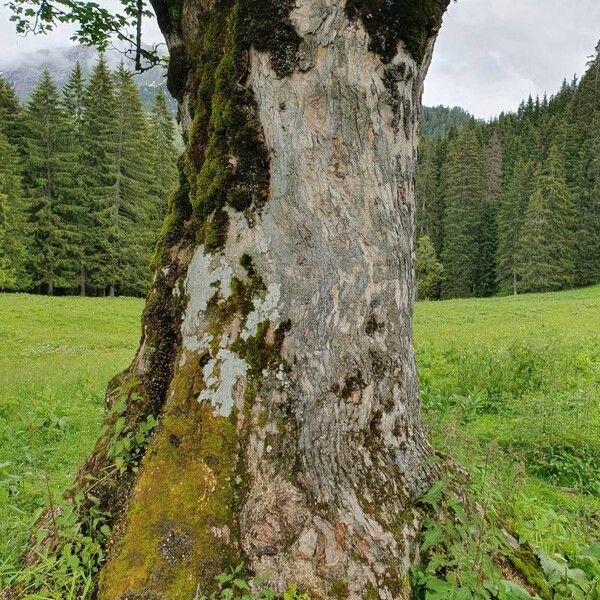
459	510
119	407
439	585
431	496
579	577
241	584
512	591
431	537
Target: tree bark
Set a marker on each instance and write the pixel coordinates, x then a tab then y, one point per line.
277	339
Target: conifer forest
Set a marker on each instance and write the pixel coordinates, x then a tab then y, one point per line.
503	207
513	205
84	180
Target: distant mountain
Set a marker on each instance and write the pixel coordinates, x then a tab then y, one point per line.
24	71
438	120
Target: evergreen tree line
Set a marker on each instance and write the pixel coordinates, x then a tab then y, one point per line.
85	174
438	120
513	205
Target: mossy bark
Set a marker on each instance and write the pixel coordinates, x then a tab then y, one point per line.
277	352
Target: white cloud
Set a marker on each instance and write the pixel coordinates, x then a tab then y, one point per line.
13	46
491	54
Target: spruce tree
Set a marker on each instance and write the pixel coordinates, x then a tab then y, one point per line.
429	270
464	195
126	218
511	213
78	200
545	249
428	195
98	172
164	152
13	230
10	109
46	177
488	234
587	211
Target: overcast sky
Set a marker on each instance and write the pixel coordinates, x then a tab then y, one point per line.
490	55
493	53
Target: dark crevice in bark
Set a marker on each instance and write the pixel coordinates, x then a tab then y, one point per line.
143	391
177	71
266	26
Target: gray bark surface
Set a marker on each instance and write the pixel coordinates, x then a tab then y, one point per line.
333	449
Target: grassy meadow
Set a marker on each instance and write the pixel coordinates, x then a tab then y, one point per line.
56	356
510	386
511	390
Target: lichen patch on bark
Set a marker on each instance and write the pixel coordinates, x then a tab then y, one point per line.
264	310
205	275
221	374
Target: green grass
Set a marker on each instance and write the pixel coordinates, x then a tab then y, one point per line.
56	357
510	389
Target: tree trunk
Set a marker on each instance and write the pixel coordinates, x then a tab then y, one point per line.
111	291
277	351
82	282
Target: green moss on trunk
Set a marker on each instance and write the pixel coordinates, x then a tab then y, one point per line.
226	162
176	534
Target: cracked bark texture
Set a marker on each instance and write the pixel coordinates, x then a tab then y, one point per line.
305	464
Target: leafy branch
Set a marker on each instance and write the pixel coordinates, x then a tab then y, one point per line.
96	25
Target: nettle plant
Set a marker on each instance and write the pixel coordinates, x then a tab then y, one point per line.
235	584
126	445
467	554
68	550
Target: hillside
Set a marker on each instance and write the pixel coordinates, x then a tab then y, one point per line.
507	386
437	121
513	205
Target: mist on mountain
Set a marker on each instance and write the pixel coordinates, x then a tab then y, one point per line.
23	71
